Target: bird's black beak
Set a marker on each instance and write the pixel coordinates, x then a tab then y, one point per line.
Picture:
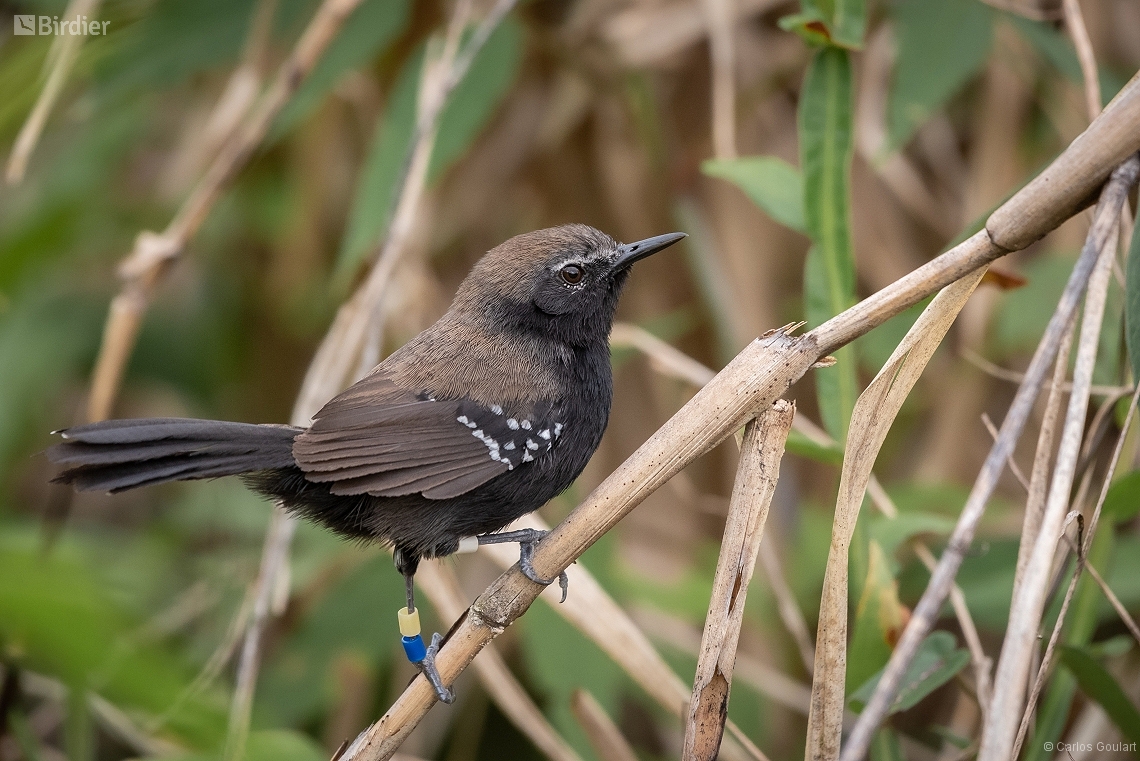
628	253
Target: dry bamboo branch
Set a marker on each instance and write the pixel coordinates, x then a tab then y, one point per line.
61	57
153	254
442	589
753	380
604	736
756	477
871	420
1028	605
942	579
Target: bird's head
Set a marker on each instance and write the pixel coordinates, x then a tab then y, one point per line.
562	282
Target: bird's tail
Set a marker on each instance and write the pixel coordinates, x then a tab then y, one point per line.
116	455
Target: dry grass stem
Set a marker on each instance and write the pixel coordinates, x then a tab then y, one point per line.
442	588
1082	553
663	357
786	605
753	380
874	412
1075	23
1001	373
1013	466
1028	605
757	473
926	612
604	736
61	58
1043	457
1117	605
720	18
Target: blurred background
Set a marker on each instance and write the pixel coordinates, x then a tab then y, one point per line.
120	617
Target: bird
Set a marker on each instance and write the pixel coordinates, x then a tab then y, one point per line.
482	418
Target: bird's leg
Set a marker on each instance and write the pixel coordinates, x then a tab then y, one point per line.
422	657
527	538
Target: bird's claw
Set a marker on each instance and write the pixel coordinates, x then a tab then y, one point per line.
526	565
431	673
527	538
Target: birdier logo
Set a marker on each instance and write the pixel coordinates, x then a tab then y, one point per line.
30	24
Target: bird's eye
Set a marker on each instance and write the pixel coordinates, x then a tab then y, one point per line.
572	274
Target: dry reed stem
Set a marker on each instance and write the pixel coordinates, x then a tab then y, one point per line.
1075	23
1001	373
1028	605
604	736
1117	605
871	420
342	345
153	254
61	57
592	611
1043	458
926	612
753	380
1014	468
722	55
755	484
1082	553
786	605
442	588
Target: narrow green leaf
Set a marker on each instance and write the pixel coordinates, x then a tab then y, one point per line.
1098	684
467	111
1132	302
941	45
937	661
825	126
366	33
773	184
804	447
887	746
1122	502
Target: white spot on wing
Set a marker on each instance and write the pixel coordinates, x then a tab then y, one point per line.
497	409
525	424
512	424
545	433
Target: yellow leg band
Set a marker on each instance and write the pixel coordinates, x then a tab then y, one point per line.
409	622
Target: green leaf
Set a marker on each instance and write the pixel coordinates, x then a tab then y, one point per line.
1098	684
773	184
1132	302
1123	499
890	533
825	126
941	46
878	621
887	746
829	22
366	33
801	445
467	111
937	661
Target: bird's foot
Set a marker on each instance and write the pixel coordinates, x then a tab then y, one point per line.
431	673
527	538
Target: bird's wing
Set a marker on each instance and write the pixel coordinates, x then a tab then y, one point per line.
377	438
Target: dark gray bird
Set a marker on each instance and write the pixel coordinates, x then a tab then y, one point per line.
480	419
